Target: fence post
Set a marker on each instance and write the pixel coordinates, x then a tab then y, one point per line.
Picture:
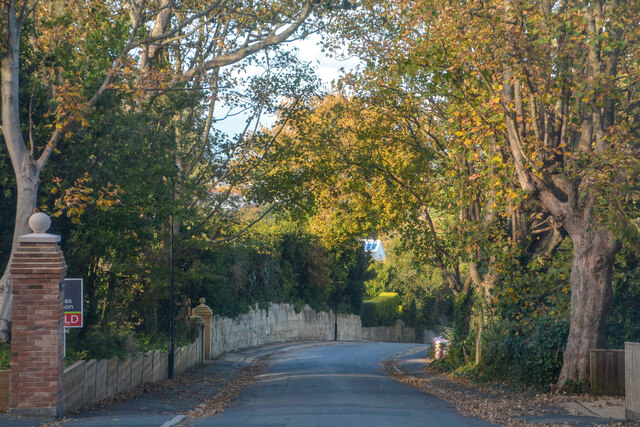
632	380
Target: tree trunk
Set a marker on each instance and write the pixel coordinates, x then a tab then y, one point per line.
26	204
26	169
593	256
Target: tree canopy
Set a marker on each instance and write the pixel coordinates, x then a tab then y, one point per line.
487	132
494	142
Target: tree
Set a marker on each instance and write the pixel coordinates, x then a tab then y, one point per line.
556	83
82	51
378	162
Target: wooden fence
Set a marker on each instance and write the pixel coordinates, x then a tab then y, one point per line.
88	382
4	390
607	372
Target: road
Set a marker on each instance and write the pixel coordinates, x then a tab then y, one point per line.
334	385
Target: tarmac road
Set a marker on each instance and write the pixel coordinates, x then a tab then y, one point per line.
334	385
306	384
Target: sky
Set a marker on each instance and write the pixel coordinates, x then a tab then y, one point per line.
328	70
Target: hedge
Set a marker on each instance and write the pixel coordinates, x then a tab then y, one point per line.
382	310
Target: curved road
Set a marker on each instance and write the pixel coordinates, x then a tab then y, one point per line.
337	384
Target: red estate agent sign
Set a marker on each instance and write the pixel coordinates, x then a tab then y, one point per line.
73	303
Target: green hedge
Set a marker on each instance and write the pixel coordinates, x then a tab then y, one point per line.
368	314
382	310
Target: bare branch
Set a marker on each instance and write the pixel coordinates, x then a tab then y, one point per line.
271	39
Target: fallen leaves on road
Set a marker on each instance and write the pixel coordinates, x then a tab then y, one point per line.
482	401
228	392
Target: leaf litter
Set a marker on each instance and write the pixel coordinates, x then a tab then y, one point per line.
488	402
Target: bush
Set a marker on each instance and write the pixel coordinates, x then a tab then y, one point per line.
623	322
98	344
277	263
386	307
5	355
534	358
461	317
368	314
426	299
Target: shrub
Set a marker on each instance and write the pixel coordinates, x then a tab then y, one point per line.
368	314
5	355
386	307
461	317
623	322
534	358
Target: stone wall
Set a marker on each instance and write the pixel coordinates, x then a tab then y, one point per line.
282	323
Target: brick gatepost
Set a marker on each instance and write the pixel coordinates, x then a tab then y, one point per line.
37	329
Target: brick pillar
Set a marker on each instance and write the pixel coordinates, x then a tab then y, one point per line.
206	313
37	333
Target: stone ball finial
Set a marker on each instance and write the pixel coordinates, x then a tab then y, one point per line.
39	222
201	300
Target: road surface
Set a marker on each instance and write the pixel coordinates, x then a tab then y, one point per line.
334	385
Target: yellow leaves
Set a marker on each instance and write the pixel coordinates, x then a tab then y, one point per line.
459	133
76	199
71	106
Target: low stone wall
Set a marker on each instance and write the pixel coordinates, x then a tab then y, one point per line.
282	323
397	333
87	382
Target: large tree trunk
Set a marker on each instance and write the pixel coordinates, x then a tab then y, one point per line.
26	169
593	256
26	204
